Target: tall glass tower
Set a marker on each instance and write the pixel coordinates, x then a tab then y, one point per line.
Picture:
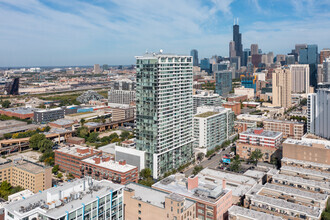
194	54
164	108
237	38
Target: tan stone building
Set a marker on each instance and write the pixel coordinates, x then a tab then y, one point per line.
145	203
122	113
290	129
26	174
282	87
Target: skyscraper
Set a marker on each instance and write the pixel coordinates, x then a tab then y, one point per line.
246	54
205	65
282	87
310	56
164	110
223	82
11	88
300	78
237	38
97	68
298	47
232	52
326	70
254	49
318	112
194	54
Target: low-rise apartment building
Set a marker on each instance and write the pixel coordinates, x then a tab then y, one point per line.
27	174
80	199
83	161
234	106
286	202
238	213
205	97
268	142
146	203
290	129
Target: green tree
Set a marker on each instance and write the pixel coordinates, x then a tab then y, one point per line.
113	135
103	120
200	156
256	156
35	140
82	132
197	169
303	101
45	145
124	135
82	122
147	182
92	138
55	169
6	104
59	175
145	173
235	164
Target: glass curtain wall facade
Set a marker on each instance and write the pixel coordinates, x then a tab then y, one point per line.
164	107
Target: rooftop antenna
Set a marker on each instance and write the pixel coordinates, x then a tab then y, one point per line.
234	21
237	21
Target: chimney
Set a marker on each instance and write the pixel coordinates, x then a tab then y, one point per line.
192	182
97	160
224	184
92	151
122	162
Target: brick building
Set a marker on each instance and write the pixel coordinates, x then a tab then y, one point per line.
290	129
20	112
237	98
234	106
268	142
83	161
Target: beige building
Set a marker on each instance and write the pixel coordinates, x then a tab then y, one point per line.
300	78
122	113
26	174
144	203
282	87
292	129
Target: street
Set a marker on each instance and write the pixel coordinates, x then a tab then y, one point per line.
212	163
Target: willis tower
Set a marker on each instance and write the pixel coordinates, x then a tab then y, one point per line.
237	38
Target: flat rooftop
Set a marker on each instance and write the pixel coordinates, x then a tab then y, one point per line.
15	129
301	181
306	163
38	202
308	142
26	165
272	134
63	122
11	123
21	110
72	150
249	213
206	192
254	174
153	196
237	183
282	204
306	171
295	192
206	114
284	121
111	165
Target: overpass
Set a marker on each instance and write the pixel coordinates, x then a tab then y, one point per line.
20	143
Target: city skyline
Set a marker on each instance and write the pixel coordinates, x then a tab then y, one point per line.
60	33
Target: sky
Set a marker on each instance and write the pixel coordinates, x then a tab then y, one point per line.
85	32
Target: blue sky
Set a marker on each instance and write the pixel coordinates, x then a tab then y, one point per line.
82	32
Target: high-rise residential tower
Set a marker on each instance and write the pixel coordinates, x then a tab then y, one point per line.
164	110
318	111
300	78
237	38
282	87
194	54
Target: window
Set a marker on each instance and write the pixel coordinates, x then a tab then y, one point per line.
139	205
139	211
